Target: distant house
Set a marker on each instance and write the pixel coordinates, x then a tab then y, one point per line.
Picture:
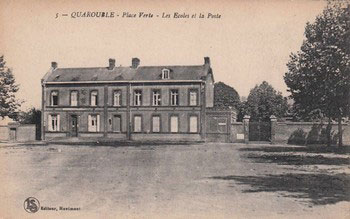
134	102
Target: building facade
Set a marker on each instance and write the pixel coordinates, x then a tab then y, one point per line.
127	103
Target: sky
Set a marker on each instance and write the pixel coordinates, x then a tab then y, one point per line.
249	43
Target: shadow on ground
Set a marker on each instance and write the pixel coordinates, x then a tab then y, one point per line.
289	159
320	189
307	149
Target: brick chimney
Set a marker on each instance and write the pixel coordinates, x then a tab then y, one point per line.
135	62
206	61
53	65
111	64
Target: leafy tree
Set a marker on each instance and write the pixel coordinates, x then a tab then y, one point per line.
8	89
32	116
225	96
264	101
318	75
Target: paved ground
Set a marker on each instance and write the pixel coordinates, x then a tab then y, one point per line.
176	181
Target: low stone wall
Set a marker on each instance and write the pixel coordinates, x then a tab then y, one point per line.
284	130
17	132
53	135
4	133
25	133
237	132
119	136
165	137
217	137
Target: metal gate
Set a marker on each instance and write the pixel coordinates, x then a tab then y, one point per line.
259	131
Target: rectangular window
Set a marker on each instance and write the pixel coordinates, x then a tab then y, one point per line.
156	124
93	98
94	123
54	98
137	98
174	124
193	98
193	124
117	122
137	124
54	123
222	125
174	97
74	98
156	98
117	98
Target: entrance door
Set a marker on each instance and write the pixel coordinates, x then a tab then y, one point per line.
116	124
74	126
12	134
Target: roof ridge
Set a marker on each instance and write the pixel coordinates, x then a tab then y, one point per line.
146	66
171	66
80	68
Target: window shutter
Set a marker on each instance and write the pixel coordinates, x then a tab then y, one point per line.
193	124
174	124
89	123
49	123
58	122
98	123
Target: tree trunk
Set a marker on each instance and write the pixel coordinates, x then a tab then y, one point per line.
328	131
340	131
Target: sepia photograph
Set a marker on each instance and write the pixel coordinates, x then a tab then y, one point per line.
175	109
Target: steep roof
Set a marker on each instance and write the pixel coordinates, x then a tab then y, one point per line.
141	73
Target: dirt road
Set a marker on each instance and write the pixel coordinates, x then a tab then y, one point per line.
174	181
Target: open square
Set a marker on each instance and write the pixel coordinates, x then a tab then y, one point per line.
177	181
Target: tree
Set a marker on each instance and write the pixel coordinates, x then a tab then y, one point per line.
318	75
8	89
225	96
264	101
32	116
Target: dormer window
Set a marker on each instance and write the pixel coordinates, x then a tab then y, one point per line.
165	74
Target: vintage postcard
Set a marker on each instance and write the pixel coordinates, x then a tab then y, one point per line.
174	109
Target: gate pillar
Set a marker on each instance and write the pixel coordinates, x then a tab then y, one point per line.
273	121
246	128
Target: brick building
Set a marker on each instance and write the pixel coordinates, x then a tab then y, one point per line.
134	102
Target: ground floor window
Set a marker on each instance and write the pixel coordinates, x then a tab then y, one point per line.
117	122
174	124
137	124
156	124
193	124
222	125
94	123
54	123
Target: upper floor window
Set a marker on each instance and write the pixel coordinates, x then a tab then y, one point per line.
156	99
117	98
193	98
137	98
165	74
74	98
93	98
54	98
174	97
